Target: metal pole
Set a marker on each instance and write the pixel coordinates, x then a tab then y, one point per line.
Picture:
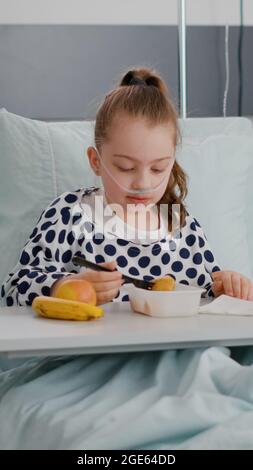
182	57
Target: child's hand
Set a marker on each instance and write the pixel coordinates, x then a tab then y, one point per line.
232	283
106	284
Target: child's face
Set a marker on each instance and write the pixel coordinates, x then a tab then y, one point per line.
138	156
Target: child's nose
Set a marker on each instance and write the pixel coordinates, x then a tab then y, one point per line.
142	181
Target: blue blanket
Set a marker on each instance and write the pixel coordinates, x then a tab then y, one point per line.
189	399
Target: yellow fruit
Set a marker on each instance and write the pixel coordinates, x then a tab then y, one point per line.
165	283
79	290
63	309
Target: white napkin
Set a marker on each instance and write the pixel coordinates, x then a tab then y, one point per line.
226	305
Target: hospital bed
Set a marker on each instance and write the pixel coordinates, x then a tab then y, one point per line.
126	383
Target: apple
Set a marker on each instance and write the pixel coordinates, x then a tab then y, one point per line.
76	289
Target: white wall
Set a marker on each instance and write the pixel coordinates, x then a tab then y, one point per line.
205	12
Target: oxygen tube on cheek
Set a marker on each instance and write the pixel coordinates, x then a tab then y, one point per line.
132	191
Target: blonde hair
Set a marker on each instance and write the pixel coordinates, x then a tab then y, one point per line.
143	93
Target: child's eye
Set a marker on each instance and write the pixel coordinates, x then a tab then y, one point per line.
125	169
155	170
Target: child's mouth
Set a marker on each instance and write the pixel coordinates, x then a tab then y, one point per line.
137	199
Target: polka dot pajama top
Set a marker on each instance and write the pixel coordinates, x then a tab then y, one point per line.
47	255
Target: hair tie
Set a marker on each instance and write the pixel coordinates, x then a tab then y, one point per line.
137	81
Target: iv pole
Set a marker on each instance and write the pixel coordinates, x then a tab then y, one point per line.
182	57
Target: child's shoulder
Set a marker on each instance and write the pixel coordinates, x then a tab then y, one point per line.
69	198
67	203
191	223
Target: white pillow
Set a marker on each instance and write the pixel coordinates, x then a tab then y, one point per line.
38	161
217	155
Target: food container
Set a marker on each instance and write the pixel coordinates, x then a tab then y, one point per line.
183	301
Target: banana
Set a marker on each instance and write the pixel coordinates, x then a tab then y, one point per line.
52	307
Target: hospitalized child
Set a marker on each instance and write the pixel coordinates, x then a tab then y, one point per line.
136	222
